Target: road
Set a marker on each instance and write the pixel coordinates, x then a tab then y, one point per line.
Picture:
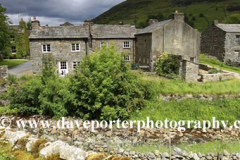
20	68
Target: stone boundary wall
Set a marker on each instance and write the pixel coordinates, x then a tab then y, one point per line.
215	77
189	71
3	83
74	153
170	97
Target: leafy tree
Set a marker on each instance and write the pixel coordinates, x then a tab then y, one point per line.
104	87
232	19
5	32
29	24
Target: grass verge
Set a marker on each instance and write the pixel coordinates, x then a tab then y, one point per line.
216	63
11	63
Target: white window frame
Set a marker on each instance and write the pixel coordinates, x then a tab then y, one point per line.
127	58
102	42
126	44
77	64
60	67
46	45
12	50
12	38
75	45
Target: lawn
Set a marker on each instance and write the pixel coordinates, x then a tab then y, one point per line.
11	63
203	58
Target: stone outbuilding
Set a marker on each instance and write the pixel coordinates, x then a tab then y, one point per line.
223	42
173	36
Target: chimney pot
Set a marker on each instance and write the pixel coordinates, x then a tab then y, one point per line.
21	19
34	19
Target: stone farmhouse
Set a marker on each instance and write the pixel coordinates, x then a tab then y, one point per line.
223	42
69	43
172	36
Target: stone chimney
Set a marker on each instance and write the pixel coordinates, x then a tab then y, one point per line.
86	22
35	23
152	21
215	22
178	16
91	22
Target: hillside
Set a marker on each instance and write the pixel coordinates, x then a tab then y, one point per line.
198	13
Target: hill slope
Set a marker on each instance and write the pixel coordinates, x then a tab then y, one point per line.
198	13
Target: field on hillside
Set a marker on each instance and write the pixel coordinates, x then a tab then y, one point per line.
137	11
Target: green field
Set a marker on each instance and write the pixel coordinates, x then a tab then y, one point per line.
136	11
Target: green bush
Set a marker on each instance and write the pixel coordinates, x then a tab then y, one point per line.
213	71
104	87
167	65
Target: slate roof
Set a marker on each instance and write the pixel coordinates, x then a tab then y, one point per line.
51	32
229	27
153	27
17	28
113	31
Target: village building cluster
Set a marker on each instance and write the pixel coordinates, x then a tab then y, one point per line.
69	43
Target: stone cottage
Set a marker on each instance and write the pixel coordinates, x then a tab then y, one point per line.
223	42
172	36
19	41
69	43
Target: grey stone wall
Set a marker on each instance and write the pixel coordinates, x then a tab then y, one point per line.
118	43
189	71
230	47
215	77
213	42
61	50
143	49
177	38
4	78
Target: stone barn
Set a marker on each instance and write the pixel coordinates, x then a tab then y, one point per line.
223	42
172	36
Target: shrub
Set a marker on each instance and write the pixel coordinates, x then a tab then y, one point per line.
201	15
166	65
213	71
104	87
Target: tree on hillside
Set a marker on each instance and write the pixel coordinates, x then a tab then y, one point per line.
5	32
29	24
232	19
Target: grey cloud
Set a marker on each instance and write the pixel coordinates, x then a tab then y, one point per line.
69	10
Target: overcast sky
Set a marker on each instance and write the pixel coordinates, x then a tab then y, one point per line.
55	12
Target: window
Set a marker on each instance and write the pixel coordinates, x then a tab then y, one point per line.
238	39
126	44
126	58
101	43
75	64
236	54
13	39
63	68
192	59
13	50
46	48
75	47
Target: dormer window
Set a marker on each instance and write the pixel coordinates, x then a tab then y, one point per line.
12	38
